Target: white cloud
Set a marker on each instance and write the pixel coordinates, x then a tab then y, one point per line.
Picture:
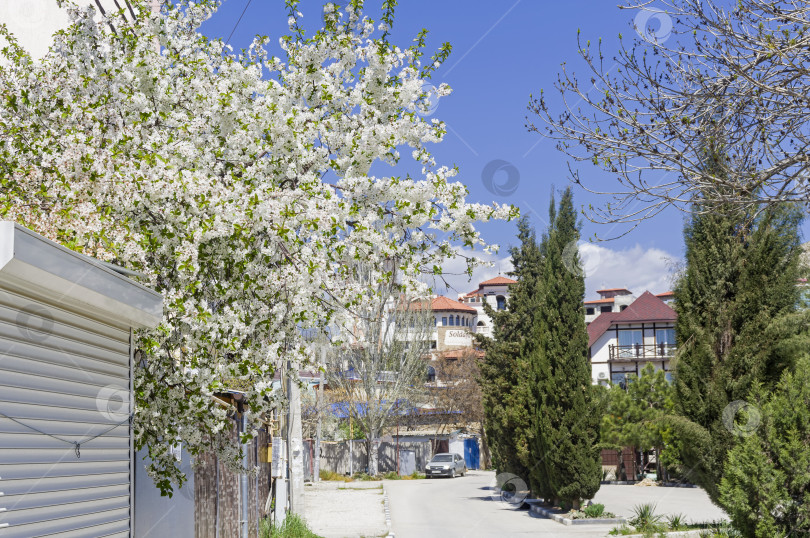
458	281
635	268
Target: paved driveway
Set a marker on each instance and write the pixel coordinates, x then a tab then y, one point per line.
465	506
338	510
691	502
447	508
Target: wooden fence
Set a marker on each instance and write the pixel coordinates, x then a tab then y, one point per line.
217	496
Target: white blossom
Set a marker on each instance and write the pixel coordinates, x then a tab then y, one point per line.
244	197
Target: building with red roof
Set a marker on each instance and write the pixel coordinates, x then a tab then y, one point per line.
494	292
610	300
622	341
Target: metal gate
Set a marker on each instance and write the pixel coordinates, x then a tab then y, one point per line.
471	455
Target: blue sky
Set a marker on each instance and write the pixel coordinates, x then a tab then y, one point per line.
502	53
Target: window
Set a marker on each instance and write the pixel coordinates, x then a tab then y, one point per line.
435	321
628	340
668	376
500	300
589	311
451	321
619	378
480	324
457	321
433	344
444	321
665	341
665	336
604	309
623	307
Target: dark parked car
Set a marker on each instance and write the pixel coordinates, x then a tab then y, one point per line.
446	464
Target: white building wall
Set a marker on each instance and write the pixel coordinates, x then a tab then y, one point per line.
33	22
600	353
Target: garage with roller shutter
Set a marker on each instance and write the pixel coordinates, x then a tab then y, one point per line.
66	359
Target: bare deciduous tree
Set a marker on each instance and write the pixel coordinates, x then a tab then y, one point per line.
454	391
456	394
380	367
732	79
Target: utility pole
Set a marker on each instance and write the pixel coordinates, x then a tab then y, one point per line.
397	436
294	443
243	478
316	458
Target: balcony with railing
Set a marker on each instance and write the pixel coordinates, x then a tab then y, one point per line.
634	352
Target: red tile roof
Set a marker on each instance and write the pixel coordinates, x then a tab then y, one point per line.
498	280
459	353
443	304
647	308
608	300
597	327
666	294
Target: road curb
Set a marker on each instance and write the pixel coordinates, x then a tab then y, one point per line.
536	509
387	510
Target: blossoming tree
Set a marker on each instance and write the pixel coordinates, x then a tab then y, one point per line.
240	185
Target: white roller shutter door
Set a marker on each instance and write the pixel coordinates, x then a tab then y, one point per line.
67	375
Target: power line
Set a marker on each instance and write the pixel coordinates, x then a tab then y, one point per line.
237	22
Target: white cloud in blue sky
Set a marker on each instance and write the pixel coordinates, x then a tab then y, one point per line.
636	268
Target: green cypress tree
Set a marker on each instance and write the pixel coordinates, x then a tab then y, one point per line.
734	302
567	413
766	485
503	372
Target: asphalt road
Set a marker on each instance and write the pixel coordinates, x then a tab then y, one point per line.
467	506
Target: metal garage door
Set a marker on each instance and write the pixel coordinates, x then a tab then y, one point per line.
64	378
65	385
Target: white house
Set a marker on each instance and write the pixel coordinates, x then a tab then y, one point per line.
494	292
623	340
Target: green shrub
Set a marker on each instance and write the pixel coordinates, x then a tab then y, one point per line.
333	476
645	519
392	475
676	522
293	527
594	510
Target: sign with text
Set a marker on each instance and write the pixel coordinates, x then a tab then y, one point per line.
457	337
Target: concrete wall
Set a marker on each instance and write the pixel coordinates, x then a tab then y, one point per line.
335	456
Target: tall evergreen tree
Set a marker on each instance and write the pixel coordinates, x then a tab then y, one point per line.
766	484
566	418
734	329
503	372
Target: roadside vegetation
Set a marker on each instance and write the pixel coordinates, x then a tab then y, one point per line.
364	477
293	527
